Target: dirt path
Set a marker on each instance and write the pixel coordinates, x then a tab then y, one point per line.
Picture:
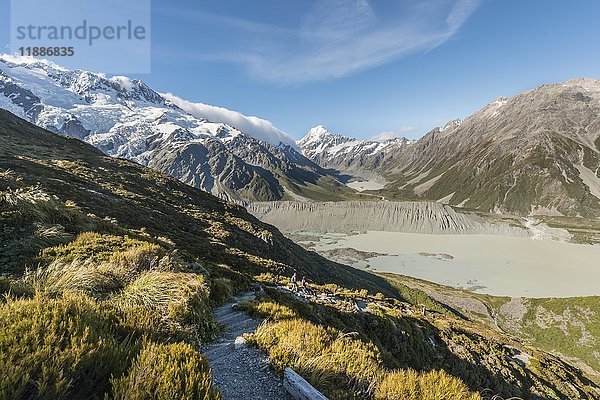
242	372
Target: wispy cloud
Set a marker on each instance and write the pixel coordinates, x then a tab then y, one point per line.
403	130
256	127
339	37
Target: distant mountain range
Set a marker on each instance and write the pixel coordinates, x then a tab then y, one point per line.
535	153
125	118
348	155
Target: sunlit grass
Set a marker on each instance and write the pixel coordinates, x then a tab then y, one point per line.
165	372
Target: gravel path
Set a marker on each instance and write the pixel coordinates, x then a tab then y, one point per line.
241	373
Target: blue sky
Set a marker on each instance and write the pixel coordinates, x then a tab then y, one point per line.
364	67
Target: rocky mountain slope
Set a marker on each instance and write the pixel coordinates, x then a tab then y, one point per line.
125	118
535	153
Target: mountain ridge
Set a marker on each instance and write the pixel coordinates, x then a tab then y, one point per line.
126	118
537	152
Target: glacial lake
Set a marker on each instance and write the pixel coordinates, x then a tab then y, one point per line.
496	265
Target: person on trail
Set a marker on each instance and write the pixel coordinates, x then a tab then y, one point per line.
294	280
303	284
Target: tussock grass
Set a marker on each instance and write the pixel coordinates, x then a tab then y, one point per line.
345	367
180	299
267	309
51	234
35	204
432	385
166	372
340	366
9	179
97	264
123	251
77	275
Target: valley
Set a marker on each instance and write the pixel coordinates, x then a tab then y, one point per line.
489	264
474	247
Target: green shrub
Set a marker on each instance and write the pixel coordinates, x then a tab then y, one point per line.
221	289
14	287
61	348
167	372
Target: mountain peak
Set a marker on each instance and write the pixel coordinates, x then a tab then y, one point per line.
317	132
221	151
320	137
590	83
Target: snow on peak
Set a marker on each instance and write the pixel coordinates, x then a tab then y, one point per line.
500	101
60	88
258	128
316	134
319	142
29	61
451	124
124	82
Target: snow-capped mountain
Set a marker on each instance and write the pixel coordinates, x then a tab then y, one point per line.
123	117
535	153
348	155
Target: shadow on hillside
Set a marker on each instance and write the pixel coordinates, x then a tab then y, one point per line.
479	361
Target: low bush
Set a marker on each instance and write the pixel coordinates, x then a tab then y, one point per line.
166	372
15	287
221	289
61	348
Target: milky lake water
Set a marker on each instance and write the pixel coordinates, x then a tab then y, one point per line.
497	265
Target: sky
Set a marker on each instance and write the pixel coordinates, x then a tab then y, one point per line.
364	68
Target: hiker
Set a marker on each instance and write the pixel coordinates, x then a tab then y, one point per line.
303	285
294	282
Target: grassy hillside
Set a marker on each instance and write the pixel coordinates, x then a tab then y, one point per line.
65	182
373	352
109	270
566	326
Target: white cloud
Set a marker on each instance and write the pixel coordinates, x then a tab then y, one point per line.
339	37
253	126
383	136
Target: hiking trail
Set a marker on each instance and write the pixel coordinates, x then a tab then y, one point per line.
241	371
